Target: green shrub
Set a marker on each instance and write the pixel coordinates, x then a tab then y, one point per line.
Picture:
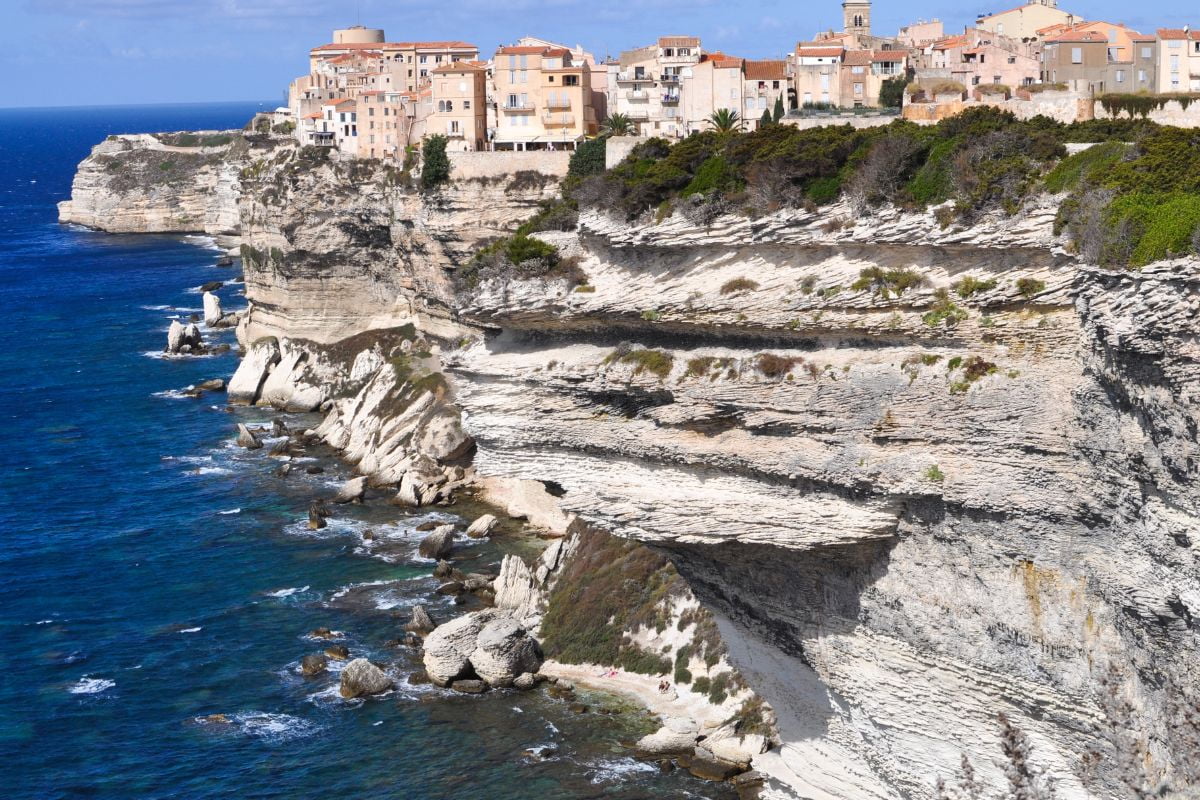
943	312
588	158
884	282
435	164
970	285
1090	163
682	656
1163	225
655	361
1028	287
609	586
935	474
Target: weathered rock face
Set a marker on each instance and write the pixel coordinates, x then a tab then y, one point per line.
140	184
909	511
361	677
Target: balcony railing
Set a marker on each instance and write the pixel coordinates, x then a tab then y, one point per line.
559	120
667	78
626	77
559	102
517	108
670	97
638	94
638	113
455	134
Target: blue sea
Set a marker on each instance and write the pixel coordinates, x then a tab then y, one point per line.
153	575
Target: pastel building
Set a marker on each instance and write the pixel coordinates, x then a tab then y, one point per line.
649	84
764	82
544	98
715	83
1178	55
1024	22
459	105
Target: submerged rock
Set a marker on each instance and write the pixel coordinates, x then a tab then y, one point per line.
361	677
469	686
211	385
246	438
338	652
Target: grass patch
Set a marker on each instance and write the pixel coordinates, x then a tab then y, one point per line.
935	474
944	311
655	361
1029	287
886	282
773	366
971	285
739	285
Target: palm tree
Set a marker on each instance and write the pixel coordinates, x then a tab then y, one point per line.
618	125
725	120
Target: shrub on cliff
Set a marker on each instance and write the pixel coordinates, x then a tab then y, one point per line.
435	164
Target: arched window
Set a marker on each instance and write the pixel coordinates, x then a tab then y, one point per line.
858	20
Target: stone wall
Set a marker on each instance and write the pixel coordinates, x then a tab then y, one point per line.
1172	113
486	164
1062	106
618	147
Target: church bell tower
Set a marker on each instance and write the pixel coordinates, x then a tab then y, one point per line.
856	16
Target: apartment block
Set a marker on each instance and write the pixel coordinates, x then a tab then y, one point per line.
649	84
459	105
764	82
1178	53
544	98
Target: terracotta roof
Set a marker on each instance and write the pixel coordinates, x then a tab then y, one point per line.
950	43
1142	37
861	58
534	50
721	61
818	52
371	92
1178	33
459	66
314	115
1079	37
766	70
678	41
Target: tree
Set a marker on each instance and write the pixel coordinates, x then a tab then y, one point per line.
778	115
588	158
891	94
766	119
724	120
617	125
435	164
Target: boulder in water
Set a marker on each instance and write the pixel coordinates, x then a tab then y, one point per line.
361	677
482	526
313	664
526	680
317	512
421	621
504	650
448	647
246	438
278	428
338	652
352	491
225	261
211	385
438	543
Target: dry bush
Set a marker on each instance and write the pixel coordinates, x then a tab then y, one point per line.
879	177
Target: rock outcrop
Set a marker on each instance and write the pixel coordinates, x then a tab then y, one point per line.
908	509
487	645
361	677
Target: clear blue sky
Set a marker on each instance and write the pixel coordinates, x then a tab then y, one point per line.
96	52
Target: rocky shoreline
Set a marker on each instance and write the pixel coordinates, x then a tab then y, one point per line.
901	515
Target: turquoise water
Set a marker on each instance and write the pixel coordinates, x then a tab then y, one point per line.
151	574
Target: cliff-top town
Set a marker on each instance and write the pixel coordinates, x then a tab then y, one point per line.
374	98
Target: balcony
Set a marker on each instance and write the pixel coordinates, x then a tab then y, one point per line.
638	113
517	108
637	94
632	77
455	135
666	78
560	120
671	97
560	103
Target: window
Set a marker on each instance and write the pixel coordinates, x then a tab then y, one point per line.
995	79
1120	76
466	105
858	90
774	84
856	70
1000	28
1174	63
371	111
570	80
550	79
1076	55
976	80
424	59
1141	76
454	126
1147	53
